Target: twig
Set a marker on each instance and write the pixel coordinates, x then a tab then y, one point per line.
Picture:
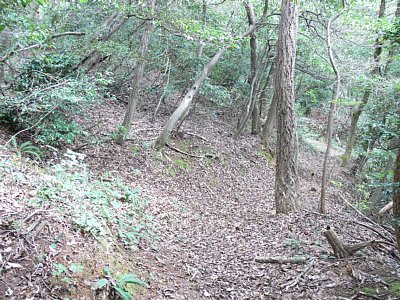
196	135
361	214
282	259
296	281
165	90
390	241
36	212
188	154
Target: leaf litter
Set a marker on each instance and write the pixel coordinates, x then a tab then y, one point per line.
214	216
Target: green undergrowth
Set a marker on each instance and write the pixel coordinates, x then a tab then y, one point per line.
103	208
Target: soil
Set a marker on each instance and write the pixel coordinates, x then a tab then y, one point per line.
213	201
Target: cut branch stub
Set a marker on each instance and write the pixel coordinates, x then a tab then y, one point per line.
340	249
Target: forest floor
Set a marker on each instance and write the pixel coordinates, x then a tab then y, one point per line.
212	202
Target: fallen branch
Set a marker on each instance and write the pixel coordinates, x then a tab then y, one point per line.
362	215
189	154
296	281
340	249
385	209
196	135
389	240
282	260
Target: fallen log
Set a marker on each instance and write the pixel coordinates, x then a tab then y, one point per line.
340	249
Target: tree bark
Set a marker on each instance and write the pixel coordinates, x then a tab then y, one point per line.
376	70
138	74
322	207
286	166
396	198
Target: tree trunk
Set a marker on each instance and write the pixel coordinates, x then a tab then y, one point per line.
262	98
396	198
139	69
255	74
286	165
376	70
199	53
270	122
184	106
331	116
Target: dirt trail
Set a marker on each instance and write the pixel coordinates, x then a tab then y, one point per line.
217	214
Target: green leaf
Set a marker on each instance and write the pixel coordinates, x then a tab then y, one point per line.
130	278
124	295
75	268
2	27
100	284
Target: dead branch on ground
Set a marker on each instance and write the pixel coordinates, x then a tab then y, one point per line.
340	249
297	280
282	260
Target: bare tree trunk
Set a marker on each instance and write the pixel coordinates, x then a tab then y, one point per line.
257	67
286	180
396	198
270	122
204	23
332	110
376	70
184	106
139	69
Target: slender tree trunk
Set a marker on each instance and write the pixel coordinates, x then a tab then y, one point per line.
286	165
270	122
262	98
396	198
376	70
257	67
204	23
253	63
138	74
184	106
322	207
